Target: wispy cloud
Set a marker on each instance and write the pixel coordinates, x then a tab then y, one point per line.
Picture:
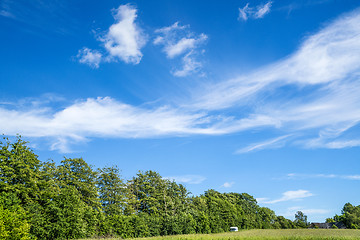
189	65
287	196
90	57
6	13
258	12
317	97
272	143
228	184
37	16
295	5
299	176
290	212
189	179
317	88
102	117
178	40
326	142
123	40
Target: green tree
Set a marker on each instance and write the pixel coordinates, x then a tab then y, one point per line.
301	220
69	217
76	172
13	218
148	189
351	216
268	217
19	170
112	192
284	223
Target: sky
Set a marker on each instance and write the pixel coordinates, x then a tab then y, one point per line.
239	96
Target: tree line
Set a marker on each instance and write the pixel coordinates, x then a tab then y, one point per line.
42	200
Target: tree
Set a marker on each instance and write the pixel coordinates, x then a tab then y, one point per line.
301	220
284	223
76	172
112	190
351	216
13	218
69	217
19	170
268	217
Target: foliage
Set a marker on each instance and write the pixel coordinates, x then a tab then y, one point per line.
350	216
44	200
13	222
301	220
19	170
111	190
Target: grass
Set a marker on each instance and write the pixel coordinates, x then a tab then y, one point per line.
268	234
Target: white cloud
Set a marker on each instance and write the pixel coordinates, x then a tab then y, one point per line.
178	41
258	12
261	200
322	142
321	99
106	117
228	184
352	177
190	65
288	196
243	12
328	60
183	45
329	176
290	212
272	143
90	57
102	117
322	79
123	41
262	10
189	179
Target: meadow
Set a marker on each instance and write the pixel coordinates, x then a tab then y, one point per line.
271	234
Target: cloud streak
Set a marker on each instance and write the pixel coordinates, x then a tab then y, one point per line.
298	176
272	143
189	179
287	196
255	13
316	88
102	117
290	212
312	95
228	184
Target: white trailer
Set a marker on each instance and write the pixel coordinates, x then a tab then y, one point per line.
234	229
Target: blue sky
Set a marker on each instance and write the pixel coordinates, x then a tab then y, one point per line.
239	96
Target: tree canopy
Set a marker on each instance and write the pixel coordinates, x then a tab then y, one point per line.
43	200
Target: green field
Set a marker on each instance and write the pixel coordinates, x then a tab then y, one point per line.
300	234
